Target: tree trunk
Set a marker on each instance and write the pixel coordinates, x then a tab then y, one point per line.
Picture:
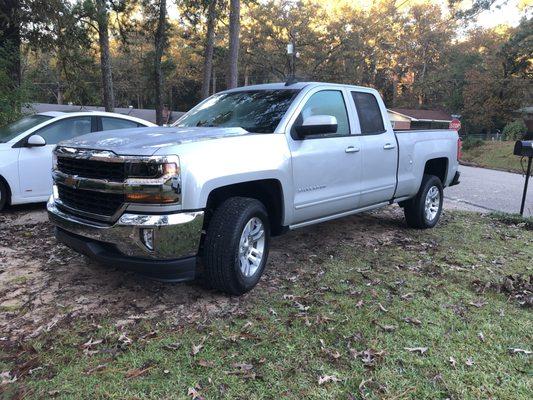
159	45
234	31
209	48
10	38
105	56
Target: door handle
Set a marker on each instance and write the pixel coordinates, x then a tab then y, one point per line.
389	146
351	149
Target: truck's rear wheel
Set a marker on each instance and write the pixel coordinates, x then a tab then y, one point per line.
236	245
424	210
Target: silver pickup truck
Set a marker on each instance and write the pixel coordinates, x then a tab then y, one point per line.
203	197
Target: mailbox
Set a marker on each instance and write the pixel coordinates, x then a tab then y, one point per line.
523	148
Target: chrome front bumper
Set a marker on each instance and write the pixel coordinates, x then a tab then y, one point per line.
175	236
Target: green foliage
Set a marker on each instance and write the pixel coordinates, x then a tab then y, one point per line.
514	130
12	96
471	143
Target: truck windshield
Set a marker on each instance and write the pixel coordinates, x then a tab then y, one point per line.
257	111
14	129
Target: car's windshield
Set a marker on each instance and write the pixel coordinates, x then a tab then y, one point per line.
258	111
14	129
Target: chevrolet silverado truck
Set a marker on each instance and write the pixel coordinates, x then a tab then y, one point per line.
204	196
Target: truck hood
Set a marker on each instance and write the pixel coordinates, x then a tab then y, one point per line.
146	141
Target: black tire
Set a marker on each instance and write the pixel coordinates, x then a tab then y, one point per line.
222	241
414	209
4	195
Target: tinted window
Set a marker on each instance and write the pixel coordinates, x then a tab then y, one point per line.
327	102
14	129
369	113
258	111
65	129
109	124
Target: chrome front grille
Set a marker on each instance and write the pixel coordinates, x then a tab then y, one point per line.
89	201
111	171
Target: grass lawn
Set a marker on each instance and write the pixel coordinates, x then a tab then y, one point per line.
495	155
377	311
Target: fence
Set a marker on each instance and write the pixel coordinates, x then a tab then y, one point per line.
484	136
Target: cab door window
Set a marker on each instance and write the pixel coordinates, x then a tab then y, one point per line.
326	102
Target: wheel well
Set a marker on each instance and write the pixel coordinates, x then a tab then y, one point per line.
437	167
267	191
3	180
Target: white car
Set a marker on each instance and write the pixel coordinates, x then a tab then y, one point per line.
26	149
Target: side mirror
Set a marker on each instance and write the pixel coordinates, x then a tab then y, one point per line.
36	141
316	125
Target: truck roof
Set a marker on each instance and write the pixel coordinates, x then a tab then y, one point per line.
297	85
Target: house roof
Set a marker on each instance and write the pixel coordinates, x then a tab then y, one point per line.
423	115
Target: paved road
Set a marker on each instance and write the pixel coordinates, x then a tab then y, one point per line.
489	190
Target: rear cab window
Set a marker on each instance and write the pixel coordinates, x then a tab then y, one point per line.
369	113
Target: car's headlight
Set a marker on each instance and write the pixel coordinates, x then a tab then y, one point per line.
54	161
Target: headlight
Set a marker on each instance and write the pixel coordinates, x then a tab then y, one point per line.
164	189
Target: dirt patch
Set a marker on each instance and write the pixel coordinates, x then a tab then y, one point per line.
43	283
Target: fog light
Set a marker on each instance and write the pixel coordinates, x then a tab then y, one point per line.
147	237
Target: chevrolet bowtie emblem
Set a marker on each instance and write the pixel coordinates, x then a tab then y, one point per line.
71	182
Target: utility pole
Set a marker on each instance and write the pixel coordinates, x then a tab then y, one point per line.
293	55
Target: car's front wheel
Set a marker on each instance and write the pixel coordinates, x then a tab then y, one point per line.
236	245
4	195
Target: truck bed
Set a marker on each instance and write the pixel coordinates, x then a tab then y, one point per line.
418	146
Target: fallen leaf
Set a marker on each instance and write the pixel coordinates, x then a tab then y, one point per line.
327	378
205	363
243	366
478	303
91	343
136	372
411	320
172	346
469	361
388	328
420	350
517	351
369	357
453	362
99	367
195	349
359	304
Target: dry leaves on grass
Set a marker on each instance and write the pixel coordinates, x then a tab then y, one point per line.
421	350
195	348
518	351
137	372
323	379
244	370
411	320
369	357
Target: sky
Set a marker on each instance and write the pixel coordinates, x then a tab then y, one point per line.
503	12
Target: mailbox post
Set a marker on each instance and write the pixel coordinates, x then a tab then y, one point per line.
524	148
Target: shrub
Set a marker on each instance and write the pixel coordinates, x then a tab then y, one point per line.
471	143
514	130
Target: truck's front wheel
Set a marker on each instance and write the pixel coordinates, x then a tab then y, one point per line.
236	245
423	211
